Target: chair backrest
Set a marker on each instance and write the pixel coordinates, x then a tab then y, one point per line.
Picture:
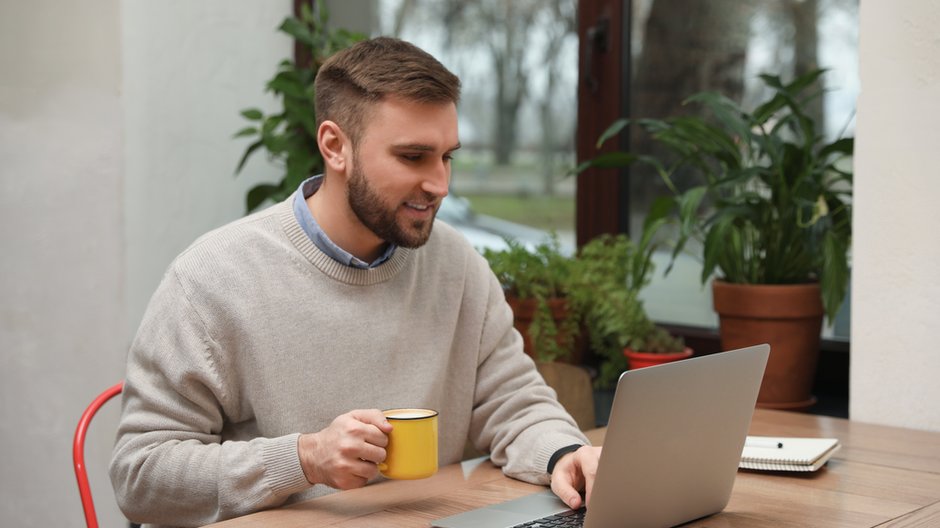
78	452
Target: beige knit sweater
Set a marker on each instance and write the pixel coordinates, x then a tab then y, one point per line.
255	336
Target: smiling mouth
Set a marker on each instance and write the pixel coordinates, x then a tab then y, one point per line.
419	207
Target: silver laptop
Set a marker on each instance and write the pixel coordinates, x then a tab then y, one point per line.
671	451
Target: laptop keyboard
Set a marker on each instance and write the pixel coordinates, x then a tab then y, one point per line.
568	519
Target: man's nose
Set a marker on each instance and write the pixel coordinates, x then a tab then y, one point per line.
437	181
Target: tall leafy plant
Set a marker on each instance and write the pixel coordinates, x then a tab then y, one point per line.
289	136
773	199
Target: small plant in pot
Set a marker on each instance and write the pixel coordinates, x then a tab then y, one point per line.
537	284
772	211
657	346
611	270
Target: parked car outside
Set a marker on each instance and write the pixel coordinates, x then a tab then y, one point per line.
489	232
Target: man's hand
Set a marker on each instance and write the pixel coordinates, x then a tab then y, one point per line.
573	472
345	454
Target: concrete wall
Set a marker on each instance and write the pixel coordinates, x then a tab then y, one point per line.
189	69
61	270
896	284
115	153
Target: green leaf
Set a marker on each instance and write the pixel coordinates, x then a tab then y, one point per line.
712	247
305	11
772	80
248	152
612	131
843	146
258	194
346	38
660	209
581	167
656	217
764	112
288	84
804	81
247	131
324	13
689	203
834	278
611	160
252	114
299	167
303	114
271	123
298	30
729	115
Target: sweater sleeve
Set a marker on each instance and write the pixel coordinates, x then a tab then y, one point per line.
169	464
516	415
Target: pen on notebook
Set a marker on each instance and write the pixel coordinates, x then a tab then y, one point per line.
763	442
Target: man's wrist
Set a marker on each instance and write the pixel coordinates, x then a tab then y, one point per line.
556	456
305	445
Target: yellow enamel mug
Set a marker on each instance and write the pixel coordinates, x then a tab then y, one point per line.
412	444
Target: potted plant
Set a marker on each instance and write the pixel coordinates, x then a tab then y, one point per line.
772	211
560	302
537	282
611	270
655	347
538	285
290	136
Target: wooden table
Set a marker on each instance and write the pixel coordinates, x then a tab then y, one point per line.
882	476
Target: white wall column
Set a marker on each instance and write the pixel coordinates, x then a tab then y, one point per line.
116	120
896	256
62	321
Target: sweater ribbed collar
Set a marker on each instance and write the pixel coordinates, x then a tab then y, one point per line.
330	267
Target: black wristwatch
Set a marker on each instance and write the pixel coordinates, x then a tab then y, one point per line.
560	453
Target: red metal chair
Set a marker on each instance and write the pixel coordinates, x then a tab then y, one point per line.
78	452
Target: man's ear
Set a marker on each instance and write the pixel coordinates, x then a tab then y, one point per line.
334	146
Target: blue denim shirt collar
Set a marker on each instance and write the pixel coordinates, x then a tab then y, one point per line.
319	238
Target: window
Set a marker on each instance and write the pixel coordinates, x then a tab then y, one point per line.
666	50
518	64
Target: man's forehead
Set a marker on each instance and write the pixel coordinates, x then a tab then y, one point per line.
402	123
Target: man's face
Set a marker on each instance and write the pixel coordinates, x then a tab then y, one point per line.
401	169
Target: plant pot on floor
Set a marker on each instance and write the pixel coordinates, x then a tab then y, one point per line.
638	359
789	318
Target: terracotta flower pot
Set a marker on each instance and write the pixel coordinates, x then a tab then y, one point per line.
648	359
523	310
789	318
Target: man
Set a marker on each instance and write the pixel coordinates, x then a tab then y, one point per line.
264	356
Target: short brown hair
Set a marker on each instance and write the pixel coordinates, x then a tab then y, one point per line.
353	79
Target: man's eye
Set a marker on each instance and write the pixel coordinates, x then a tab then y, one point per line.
448	157
411	157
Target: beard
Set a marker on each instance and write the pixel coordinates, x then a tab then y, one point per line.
381	219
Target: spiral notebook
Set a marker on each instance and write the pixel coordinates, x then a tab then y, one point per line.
771	453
